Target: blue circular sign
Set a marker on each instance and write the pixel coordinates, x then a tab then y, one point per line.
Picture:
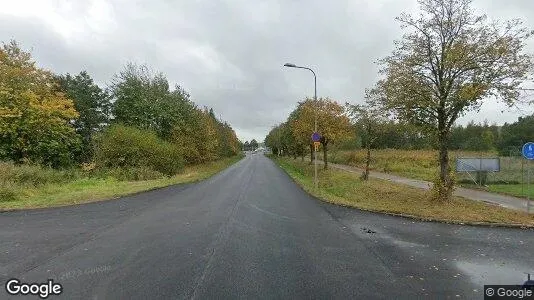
316	137
528	150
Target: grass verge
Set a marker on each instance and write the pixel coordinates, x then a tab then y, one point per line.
84	190
512	189
423	165
345	188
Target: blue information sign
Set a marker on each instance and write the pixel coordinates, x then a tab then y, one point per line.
528	150
316	137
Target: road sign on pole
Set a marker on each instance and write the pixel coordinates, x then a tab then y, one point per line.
316	144
528	153
528	150
316	137
528	190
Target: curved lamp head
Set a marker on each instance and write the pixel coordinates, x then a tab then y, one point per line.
290	65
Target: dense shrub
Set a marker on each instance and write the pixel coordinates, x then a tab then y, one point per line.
122	146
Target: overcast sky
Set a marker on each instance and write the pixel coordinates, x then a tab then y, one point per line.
229	54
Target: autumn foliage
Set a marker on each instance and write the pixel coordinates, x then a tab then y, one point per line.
448	62
294	136
138	121
34	117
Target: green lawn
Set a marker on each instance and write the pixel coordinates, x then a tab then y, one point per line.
345	188
85	190
513	189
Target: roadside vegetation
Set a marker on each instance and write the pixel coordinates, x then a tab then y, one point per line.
421	164
449	61
66	140
348	189
33	186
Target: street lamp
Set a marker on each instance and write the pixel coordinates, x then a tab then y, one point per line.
290	65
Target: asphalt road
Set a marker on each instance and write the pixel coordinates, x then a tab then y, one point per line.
250	232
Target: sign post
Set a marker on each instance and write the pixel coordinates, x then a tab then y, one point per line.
528	153
481	166
316	138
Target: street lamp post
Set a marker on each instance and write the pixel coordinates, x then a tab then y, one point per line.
290	65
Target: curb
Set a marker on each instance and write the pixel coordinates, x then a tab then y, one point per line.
414	217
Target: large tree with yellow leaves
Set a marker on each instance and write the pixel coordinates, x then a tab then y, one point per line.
449	61
35	119
333	123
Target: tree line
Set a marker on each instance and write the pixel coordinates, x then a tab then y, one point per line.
138	120
250	146
506	139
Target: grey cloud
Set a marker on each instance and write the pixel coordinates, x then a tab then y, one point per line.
229	54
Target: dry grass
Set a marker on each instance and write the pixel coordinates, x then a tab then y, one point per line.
423	165
417	164
78	190
346	188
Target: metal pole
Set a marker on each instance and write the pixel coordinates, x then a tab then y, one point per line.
523	179
528	188
315	121
480	171
315	114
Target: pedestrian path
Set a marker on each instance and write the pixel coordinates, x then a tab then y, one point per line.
491	198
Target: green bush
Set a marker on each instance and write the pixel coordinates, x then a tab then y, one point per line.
122	146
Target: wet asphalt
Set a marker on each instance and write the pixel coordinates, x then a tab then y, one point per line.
251	233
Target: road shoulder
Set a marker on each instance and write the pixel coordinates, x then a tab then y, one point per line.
387	197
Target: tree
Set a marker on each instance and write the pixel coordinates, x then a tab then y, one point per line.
288	144
247	146
447	63
92	103
514	135
272	140
488	140
299	138
333	123
197	136
253	144
371	118
34	117
144	100
229	144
